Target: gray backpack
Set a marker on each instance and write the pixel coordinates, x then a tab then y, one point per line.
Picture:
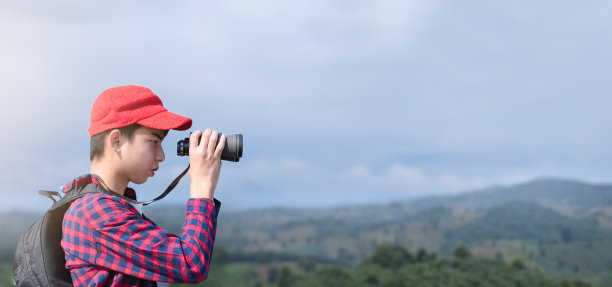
40	258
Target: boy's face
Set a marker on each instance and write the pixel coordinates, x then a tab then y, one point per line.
141	156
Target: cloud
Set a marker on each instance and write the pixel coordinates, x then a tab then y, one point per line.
297	182
336	99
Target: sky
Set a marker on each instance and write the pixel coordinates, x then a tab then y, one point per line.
340	102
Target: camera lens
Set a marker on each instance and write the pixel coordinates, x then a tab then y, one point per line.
231	152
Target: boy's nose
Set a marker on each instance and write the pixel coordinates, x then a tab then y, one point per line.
160	155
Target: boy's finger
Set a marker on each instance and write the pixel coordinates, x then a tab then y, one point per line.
212	142
193	140
220	146
205	138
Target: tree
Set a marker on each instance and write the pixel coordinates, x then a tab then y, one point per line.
462	252
334	276
391	256
286	277
518	264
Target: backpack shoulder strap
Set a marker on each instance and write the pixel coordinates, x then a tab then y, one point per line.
50	194
75	193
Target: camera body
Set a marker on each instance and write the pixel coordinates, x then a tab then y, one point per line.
231	152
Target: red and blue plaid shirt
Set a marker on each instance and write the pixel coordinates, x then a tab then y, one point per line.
109	243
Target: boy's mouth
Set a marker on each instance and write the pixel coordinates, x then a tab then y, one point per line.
153	171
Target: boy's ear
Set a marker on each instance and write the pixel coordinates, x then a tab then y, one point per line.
114	140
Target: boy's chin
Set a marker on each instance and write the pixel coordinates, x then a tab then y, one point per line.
139	180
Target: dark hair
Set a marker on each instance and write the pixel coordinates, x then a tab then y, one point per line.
96	144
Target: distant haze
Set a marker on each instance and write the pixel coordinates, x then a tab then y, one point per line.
340	102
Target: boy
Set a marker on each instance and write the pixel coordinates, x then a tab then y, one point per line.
107	241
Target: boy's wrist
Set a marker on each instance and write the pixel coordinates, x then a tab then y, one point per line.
206	197
202	192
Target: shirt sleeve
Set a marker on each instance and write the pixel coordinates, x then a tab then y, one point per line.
130	244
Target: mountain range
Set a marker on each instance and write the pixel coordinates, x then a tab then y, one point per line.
561	226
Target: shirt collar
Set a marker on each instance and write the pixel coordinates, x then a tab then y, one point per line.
92	178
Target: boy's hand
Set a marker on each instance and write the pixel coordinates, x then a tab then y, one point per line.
205	161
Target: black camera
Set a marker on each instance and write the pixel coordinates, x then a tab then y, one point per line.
231	152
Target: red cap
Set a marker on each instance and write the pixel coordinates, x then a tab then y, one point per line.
122	106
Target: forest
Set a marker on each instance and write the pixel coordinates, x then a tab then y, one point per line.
394	266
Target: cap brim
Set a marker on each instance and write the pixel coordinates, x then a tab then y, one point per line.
166	121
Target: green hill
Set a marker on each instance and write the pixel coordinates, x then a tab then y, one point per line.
525	221
577	197
560	226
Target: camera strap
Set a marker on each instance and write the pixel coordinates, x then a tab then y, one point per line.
147	202
168	189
